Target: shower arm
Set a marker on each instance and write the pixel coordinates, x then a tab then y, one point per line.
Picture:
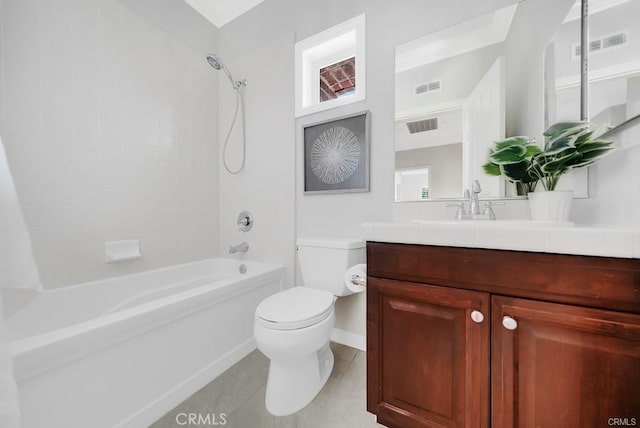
228	73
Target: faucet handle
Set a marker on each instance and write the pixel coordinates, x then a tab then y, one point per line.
461	211
488	210
245	221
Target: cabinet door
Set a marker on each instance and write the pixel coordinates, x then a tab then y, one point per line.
563	366
427	360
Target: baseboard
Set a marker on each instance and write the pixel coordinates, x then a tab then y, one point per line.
160	406
353	340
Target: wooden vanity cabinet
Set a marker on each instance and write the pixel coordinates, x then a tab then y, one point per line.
433	323
563	366
454	342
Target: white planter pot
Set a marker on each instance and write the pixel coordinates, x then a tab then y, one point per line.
550	206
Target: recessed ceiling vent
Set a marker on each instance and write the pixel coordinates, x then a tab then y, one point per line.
429	87
603	43
422	125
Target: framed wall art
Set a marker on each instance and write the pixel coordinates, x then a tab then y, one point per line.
336	155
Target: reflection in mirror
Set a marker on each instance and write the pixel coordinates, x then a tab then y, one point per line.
614	66
412	184
562	71
450	107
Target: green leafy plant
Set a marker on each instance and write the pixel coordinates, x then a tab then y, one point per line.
569	145
513	158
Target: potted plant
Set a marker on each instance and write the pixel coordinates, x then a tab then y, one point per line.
512	158
569	145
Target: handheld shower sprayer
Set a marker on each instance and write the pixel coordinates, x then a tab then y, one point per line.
216	62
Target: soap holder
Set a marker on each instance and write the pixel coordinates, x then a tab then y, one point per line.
120	251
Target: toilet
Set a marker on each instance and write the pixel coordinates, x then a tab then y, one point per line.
293	327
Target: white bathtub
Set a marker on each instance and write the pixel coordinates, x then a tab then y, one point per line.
124	351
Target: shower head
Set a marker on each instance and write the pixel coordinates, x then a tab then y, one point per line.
216	62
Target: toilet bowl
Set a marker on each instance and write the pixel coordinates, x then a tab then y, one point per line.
293	327
298	347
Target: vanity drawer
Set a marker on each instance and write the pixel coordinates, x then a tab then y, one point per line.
599	282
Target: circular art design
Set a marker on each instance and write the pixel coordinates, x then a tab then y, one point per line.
335	155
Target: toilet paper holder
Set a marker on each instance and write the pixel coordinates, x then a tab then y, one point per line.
358	280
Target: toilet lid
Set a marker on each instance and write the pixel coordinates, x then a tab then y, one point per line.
295	308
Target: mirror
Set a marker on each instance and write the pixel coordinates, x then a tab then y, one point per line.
461	89
613	96
450	107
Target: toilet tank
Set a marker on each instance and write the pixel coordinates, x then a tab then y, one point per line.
324	260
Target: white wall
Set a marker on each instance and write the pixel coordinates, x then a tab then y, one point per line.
264	37
266	186
614	189
110	126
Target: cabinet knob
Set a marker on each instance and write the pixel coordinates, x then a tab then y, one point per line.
477	316
509	323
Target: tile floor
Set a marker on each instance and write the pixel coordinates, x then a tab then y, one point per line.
239	392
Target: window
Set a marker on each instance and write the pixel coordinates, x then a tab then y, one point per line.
330	68
338	80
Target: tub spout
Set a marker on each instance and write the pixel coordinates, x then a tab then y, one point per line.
240	248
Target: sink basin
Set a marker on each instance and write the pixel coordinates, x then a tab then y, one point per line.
497	223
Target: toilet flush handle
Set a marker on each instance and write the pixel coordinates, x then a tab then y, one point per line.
358	280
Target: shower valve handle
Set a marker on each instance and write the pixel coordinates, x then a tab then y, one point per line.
245	221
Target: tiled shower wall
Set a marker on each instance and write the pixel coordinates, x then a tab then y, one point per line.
110	128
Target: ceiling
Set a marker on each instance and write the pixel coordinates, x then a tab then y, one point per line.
595	6
468	36
457	57
221	12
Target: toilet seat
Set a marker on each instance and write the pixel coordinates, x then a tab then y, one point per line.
295	308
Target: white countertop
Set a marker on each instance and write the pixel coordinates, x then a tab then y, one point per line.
561	238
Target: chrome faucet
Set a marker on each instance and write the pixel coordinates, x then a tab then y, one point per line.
240	248
474	203
474	212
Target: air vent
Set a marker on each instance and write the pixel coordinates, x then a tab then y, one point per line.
422	125
603	43
429	87
615	40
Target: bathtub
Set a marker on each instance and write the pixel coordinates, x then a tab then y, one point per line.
122	352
